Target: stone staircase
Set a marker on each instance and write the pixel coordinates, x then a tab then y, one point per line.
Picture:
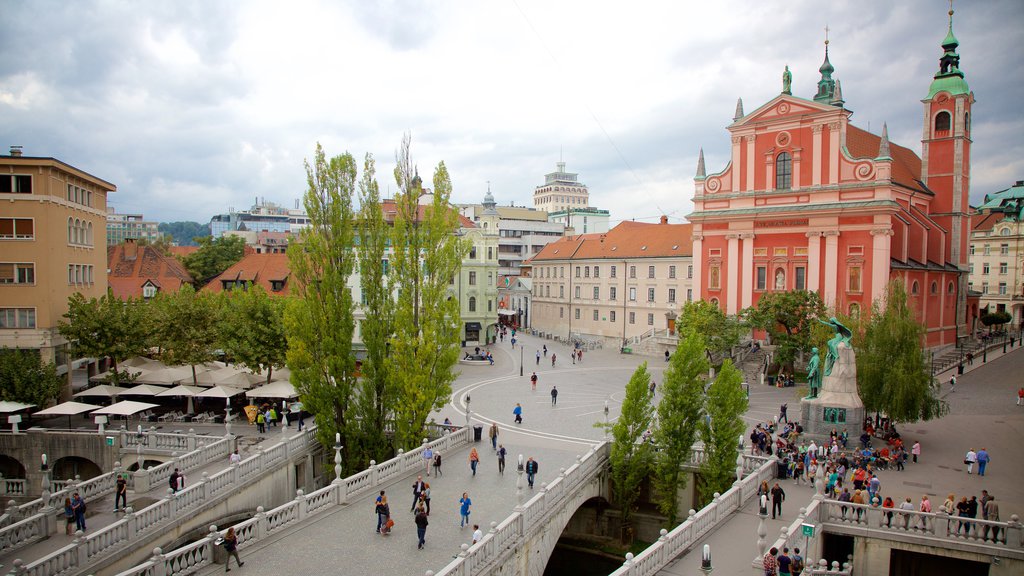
753	366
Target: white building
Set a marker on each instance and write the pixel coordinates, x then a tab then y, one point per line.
522	232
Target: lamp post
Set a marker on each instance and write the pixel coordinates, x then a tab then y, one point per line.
139	436
337	456
605	419
227	417
520	468
45	494
520	360
705	560
467	411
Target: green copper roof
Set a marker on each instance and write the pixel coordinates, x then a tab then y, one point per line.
996	199
950	42
954	84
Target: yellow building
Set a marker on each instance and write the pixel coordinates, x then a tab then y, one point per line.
53	243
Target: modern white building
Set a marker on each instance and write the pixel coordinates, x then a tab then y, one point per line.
522	232
121	227
262	217
581	220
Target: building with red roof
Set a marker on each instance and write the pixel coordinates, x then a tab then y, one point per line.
269	270
811	202
136	271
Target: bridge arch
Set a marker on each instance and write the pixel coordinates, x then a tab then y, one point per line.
542	544
69	467
11	467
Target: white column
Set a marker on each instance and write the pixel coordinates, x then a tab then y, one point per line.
831	265
833	153
816	155
881	249
813	261
747	297
733	277
750	162
736	163
698	264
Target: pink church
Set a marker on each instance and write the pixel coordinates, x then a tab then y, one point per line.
811	202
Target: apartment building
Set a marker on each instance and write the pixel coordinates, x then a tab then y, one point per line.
996	252
522	232
613	286
121	227
53	243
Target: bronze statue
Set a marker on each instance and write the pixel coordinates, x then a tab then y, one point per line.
814	374
843	334
787	81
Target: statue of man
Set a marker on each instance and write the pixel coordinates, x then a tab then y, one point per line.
814	374
787	81
843	334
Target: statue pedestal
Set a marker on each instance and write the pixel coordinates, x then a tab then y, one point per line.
838	404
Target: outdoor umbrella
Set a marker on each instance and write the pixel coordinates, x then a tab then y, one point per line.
170	375
188	391
276	389
68	409
142	362
212	377
10	407
136	372
241	380
126	408
103	391
143	390
220	392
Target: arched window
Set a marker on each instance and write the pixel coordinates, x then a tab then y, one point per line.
967	122
714	301
472	303
1004	232
783	171
88	237
71	231
950	289
78	231
914	288
942	121
935	287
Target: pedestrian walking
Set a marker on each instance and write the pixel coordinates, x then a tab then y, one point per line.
478	534
425	497
785	562
382	510
952	382
970	458
421	528
778	497
552	359
272	416
538	357
915	450
417	488
474	459
261	423
501	459
667	355
464	509
493	434
235	458
983	460
428	459
69	517
554	395
579	355
121	492
782	413
231	547
1020	396
545	350
437	464
176	480
78	507
653	387
518	413
533	381
531	470
513	342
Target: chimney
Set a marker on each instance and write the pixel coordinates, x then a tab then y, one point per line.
16	151
664	219
131	249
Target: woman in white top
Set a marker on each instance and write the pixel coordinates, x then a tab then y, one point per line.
970	459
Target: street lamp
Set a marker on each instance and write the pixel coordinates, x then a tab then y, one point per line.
227	417
467	410
605	419
45	468
520	360
337	457
139	437
519	478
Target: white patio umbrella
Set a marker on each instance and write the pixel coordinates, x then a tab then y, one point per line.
276	389
101	391
144	390
188	391
169	375
137	372
241	380
126	408
10	407
68	409
142	362
220	392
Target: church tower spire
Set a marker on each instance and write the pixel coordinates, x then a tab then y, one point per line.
701	172
826	86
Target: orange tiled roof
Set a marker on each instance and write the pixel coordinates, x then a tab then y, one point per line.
182	251
129	273
390	210
626	240
906	165
984	221
262	269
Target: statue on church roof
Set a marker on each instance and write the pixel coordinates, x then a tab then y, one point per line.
787	81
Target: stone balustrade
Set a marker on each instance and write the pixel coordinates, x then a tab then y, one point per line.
188	559
13	486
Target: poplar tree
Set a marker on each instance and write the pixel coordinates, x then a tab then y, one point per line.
375	392
725	405
426	255
106	327
319	321
892	372
630	455
252	329
679	418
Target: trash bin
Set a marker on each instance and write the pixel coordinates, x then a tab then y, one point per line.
960	368
771	380
220	555
478	433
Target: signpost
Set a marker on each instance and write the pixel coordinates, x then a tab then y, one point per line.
808	531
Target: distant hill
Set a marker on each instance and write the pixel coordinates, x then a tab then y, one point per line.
184	232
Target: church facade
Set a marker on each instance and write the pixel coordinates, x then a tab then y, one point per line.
809	201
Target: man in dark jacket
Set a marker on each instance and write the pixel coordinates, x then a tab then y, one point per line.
778	496
421	527
531	470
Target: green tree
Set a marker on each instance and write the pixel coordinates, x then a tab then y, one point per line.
319	321
188	327
184	233
720	332
106	327
252	329
213	257
375	391
679	418
426	255
787	317
725	405
631	457
892	372
25	378
997	318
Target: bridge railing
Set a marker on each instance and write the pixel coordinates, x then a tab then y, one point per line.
134	525
188	559
500	542
13	486
682	537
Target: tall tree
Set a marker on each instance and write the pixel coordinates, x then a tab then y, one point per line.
725	405
679	417
720	332
375	392
184	233
252	329
630	455
106	327
426	255
213	257
787	317
893	374
187	327
25	378
319	321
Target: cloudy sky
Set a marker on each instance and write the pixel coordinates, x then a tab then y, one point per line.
194	107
